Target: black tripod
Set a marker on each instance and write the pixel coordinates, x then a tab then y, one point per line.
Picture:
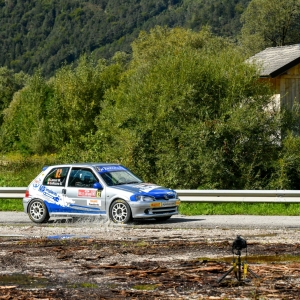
239	268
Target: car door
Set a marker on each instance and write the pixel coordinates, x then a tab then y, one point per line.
80	188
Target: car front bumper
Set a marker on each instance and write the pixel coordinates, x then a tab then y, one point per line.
145	209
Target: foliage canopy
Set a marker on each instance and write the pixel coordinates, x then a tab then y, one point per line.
186	110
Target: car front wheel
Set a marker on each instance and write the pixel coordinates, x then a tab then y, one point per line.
38	212
120	212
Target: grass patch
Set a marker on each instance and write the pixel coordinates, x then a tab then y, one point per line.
142	244
145	287
260	209
11	205
85	285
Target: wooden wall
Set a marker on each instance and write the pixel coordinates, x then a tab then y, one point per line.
288	86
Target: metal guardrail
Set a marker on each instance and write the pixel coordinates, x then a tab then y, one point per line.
246	196
216	196
12	192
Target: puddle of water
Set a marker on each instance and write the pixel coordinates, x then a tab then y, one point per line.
11	235
264	235
66	236
23	280
263	258
26	281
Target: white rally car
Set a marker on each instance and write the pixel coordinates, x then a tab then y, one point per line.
89	189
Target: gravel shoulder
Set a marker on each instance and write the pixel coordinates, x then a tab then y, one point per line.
183	258
275	228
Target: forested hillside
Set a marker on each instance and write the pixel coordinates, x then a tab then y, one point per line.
149	85
46	33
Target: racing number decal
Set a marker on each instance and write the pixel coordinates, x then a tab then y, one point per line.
58	173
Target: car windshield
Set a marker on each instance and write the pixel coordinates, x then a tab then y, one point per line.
119	177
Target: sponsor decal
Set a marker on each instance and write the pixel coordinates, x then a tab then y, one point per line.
82	209
52	197
48	193
110	168
98	195
146	187
87	193
120	201
36	183
54	182
93	202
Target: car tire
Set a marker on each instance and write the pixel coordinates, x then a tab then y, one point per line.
38	212
162	218
120	212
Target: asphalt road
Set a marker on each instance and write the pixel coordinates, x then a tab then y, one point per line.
214	221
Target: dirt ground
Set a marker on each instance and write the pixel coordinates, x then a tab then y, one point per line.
83	261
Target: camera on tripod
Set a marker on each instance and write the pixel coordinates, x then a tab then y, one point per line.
239	244
239	268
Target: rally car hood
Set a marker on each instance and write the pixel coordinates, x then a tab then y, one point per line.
150	189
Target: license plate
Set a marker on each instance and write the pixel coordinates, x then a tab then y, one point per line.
155	204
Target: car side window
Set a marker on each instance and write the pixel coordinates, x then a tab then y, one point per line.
56	177
81	177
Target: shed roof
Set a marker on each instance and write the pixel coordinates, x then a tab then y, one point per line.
277	60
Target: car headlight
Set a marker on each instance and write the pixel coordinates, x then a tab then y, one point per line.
145	198
142	198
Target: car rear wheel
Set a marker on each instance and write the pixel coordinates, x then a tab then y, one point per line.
38	212
120	212
162	218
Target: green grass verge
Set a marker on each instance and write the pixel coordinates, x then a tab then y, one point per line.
11	205
260	209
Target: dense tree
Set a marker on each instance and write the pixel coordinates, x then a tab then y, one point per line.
189	113
46	115
10	83
268	23
24	125
78	93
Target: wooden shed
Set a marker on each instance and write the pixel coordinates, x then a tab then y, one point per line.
281	67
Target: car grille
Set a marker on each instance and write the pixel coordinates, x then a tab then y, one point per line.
165	197
161	210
